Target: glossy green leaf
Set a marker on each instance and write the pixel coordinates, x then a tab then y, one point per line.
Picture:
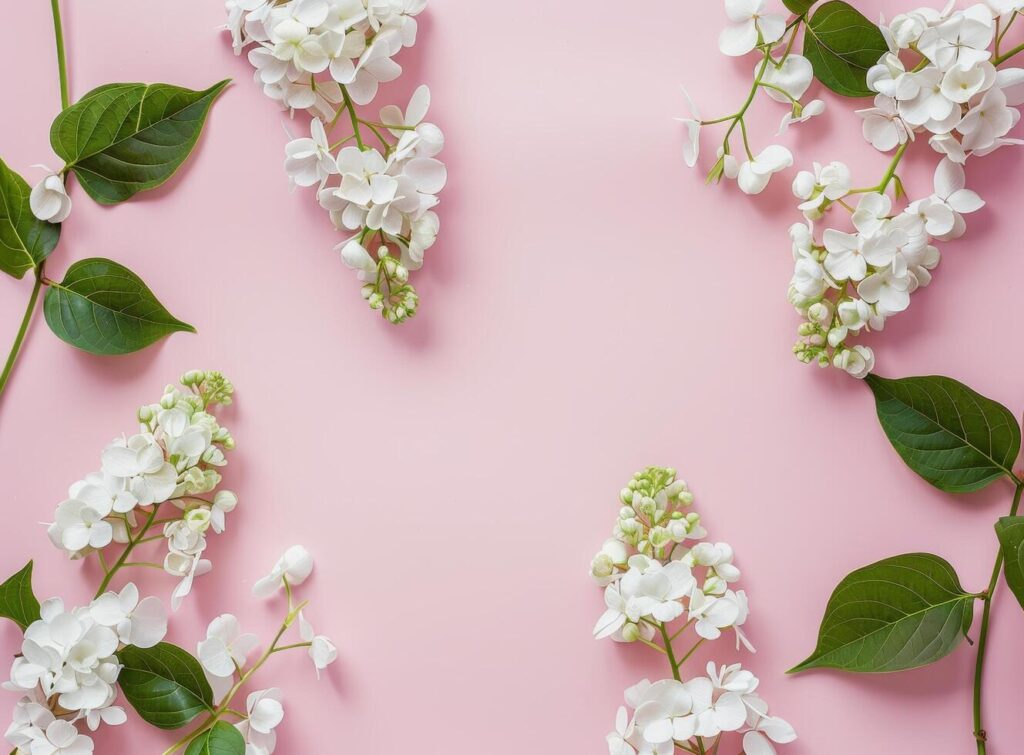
953	437
121	139
222	739
1010	531
842	44
104	308
164	684
799	7
900	613
17	601
25	240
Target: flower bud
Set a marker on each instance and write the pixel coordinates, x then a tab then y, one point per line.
225	500
630	632
145	414
198	520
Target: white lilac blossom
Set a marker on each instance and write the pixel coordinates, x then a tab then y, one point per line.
67	670
661	578
170	466
849	281
380	182
944	82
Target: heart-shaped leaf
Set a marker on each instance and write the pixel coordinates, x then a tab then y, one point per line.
799	7
164	684
1010	531
121	139
953	437
222	739
17	601
842	44
104	308
25	240
900	613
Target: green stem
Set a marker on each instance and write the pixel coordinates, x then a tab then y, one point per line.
353	117
16	348
979	669
738	119
122	560
62	64
1006	56
884	183
670	653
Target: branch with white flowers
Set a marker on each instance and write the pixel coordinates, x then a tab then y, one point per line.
938	73
138	136
377	178
158	485
665	594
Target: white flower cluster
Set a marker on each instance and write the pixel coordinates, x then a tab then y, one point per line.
166	469
846	283
67	670
224	653
657	569
327	57
781	74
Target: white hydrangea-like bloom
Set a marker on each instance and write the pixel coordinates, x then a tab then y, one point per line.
380	182
169	465
661	578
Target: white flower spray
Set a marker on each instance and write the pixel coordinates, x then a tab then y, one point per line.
661	580
158	485
942	78
380	182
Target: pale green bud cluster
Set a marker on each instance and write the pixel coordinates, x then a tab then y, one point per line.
211	386
391	293
652	518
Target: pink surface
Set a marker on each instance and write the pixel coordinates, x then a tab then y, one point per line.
590	308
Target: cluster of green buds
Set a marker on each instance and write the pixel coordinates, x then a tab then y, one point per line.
653	519
812	345
390	292
193	439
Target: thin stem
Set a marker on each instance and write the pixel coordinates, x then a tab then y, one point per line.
353	117
122	560
62	64
979	669
16	348
750	99
884	183
670	653
1006	56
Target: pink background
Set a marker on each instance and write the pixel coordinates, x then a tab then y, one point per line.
590	308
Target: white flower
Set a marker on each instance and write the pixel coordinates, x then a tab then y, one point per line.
225	648
321	650
889	77
962	38
883	127
49	200
987	121
664	712
294	567
808	111
308	161
750	27
140	461
613	553
960	83
424	139
886	289
755	174
691	147
355	256
858	361
265	713
809	278
715	613
62	738
872	211
826	184
375	66
224	502
79	522
294	43
139	623
764	729
950	191
845	259
718	711
793	77
929	104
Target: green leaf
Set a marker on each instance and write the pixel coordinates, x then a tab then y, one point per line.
25	240
121	139
842	44
222	739
956	439
1010	531
900	613
104	308
799	7
17	601
164	684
